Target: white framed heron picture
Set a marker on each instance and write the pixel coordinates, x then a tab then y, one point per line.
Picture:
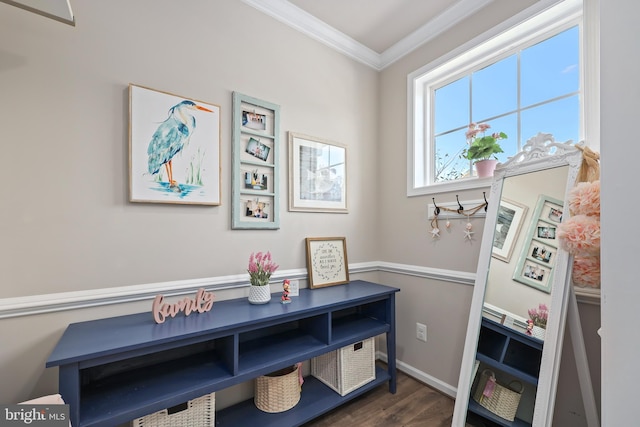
174	148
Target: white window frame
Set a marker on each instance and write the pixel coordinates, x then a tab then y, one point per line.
529	27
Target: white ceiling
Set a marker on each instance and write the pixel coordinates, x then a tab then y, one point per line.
375	32
376	24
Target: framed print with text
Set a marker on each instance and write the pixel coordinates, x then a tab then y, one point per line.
327	261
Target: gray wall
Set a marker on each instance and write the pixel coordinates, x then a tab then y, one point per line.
66	222
65	109
67	225
407	240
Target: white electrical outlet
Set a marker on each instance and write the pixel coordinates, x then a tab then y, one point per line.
421	332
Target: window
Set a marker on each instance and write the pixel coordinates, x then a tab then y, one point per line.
524	81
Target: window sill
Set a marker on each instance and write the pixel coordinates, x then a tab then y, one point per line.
449	187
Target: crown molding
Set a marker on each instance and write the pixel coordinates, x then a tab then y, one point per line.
308	24
302	21
438	25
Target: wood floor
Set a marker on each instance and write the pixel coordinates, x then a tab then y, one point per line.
413	405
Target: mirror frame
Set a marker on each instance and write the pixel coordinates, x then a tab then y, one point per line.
60	10
539	153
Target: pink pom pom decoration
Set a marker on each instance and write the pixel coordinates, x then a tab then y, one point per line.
586	271
584	199
580	235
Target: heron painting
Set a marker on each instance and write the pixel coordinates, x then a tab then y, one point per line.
174	148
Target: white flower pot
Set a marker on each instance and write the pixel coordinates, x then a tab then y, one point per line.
538	332
259	294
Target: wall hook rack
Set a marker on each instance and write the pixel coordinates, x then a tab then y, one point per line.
452	209
460	207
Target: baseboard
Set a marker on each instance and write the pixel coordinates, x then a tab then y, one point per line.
423	377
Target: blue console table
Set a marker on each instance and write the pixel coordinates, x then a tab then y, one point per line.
117	369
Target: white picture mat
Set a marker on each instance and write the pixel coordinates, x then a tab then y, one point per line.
148	109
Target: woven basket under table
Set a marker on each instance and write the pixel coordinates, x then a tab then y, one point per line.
198	412
503	401
348	368
278	391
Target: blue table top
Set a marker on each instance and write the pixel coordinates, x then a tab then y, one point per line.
96	338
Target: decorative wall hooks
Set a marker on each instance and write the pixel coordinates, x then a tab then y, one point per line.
456	210
460	207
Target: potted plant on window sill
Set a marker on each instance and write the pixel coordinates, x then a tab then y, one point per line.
483	148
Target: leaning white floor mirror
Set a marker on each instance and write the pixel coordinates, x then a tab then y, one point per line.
509	374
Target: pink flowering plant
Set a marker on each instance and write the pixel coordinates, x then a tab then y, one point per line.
539	315
261	267
481	145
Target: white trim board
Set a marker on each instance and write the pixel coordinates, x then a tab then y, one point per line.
63	301
302	21
423	377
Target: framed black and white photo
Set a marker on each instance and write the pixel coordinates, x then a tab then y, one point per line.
317	175
510	217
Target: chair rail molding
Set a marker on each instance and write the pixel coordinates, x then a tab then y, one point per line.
63	301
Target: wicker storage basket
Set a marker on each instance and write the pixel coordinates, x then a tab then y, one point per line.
503	401
347	368
278	391
198	412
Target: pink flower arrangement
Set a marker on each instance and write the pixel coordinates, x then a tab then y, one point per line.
586	271
580	235
261	267
584	199
539	315
475	129
481	146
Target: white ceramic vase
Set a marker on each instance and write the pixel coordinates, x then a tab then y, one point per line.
538	332
259	294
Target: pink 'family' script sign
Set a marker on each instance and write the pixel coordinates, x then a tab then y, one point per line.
202	303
